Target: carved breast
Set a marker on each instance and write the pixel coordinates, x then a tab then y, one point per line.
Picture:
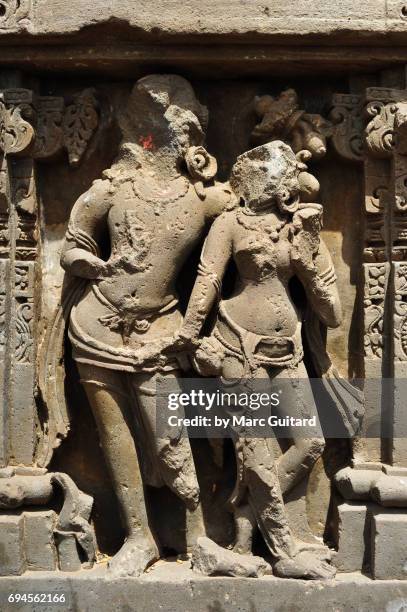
258	256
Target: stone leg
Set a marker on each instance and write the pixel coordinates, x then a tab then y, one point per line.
170	452
245	523
293	558
107	396
259	476
296	463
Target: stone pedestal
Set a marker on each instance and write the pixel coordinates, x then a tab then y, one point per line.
12	556
352	536
39	540
173	587
389	546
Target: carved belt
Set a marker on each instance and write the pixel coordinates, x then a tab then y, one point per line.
127	322
257	350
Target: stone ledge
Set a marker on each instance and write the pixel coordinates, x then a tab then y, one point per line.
173	587
235	18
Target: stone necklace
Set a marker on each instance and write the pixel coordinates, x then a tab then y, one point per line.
159	197
262	224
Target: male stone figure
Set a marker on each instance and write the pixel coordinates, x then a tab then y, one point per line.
152	205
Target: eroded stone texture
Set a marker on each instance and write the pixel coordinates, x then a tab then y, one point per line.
389	545
272	227
353	536
232	19
212	560
40	552
154	204
12	557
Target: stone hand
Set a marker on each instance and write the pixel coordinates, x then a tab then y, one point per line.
306	236
182	342
157	351
83	264
151	353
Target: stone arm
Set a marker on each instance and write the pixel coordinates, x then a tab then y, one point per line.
87	224
218	199
314	268
215	256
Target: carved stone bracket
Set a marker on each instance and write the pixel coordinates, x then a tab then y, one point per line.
40	127
16	112
365	124
347	132
383	106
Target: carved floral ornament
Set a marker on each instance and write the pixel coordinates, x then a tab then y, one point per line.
355	124
42	126
373	123
282	119
379	132
16	111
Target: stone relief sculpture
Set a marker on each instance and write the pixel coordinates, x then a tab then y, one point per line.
153	205
83	346
257	334
282	118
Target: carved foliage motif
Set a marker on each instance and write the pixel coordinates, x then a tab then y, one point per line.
49	134
16	132
385	109
400	310
79	124
282	119
24	341
374	295
41	127
347	131
379	131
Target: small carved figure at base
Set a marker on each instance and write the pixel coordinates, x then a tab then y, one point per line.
213	560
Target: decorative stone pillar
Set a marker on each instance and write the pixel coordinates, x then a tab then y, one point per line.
18	270
348	116
32	128
376	484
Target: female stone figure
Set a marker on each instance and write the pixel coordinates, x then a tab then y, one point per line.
272	237
152	207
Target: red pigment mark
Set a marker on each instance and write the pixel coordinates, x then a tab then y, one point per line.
146	142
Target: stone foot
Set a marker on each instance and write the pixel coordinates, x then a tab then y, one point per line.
307	565
212	560
318	550
133	558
